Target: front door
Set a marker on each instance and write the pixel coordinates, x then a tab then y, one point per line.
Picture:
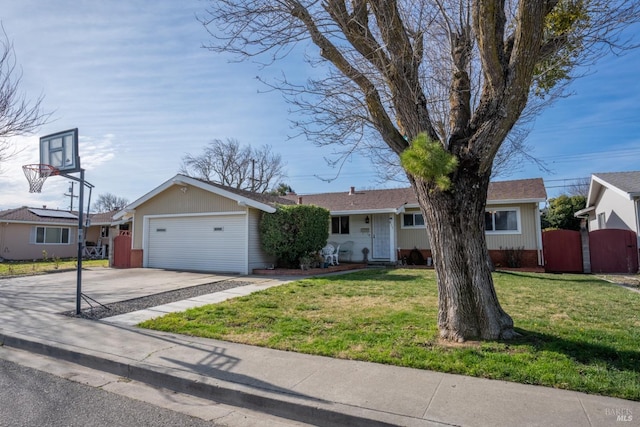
381	236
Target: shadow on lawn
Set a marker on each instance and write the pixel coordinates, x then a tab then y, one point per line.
550	277
581	351
384	274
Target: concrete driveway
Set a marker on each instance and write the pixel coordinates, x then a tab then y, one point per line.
56	292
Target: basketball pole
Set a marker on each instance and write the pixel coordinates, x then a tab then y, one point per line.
80	243
81	228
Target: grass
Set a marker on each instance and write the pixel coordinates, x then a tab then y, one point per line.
578	332
27	268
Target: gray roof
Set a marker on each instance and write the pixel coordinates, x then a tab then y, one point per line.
392	199
26	214
629	182
267	199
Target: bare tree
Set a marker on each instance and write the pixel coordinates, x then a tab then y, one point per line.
580	187
243	167
109	202
17	115
444	81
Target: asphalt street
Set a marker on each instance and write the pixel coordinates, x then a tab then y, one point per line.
29	397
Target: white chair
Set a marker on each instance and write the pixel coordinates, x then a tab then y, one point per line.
327	253
346	250
334	256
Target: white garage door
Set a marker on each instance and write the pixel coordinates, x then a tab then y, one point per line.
200	243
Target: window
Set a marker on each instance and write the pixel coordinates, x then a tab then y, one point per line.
505	221
412	220
340	225
602	221
52	235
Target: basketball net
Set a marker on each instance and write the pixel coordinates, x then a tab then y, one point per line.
37	174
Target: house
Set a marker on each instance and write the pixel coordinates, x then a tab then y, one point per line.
388	224
613	202
36	233
190	224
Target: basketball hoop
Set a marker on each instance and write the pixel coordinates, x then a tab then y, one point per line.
37	174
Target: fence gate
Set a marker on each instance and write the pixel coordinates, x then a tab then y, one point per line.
613	251
122	250
562	251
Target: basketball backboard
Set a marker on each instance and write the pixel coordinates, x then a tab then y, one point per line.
60	150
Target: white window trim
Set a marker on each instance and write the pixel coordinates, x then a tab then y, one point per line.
412	227
35	235
518	219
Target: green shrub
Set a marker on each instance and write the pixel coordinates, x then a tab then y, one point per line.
294	231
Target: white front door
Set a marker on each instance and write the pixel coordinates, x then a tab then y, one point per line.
381	236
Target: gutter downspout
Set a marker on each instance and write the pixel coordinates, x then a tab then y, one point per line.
584	242
539	246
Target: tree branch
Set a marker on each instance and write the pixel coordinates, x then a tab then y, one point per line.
380	118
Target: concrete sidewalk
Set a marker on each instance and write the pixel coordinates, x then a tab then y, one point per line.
311	389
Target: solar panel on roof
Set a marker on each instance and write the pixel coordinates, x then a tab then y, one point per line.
53	213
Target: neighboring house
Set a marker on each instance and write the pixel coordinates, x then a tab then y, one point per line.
389	224
190	224
33	233
613	202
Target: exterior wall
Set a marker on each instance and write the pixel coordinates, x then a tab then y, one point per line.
409	238
359	234
257	257
15	243
405	256
93	234
526	239
528	258
174	201
619	211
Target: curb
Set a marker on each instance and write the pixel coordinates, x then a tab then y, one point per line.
292	406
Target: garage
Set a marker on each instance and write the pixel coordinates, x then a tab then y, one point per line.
198	243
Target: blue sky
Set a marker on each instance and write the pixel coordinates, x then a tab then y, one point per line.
133	77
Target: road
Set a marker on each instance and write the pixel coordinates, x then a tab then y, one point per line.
29	397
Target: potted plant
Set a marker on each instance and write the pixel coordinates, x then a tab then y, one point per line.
306	261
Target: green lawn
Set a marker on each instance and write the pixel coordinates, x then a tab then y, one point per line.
26	268
578	332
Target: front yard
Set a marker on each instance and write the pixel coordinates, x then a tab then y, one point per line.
27	268
578	332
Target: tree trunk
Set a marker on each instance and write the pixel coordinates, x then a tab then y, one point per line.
467	301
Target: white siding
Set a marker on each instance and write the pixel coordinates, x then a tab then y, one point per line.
359	234
619	211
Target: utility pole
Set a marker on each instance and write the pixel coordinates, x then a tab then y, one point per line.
71	195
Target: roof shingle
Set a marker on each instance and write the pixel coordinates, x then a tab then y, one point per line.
392	199
626	181
25	215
